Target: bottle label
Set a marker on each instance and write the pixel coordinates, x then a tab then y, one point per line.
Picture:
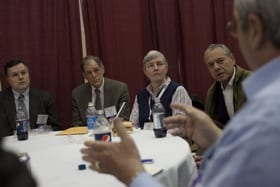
105	137
91	120
22	129
21	125
158	120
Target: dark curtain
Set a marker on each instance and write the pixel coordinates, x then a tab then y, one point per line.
116	31
46	35
121	33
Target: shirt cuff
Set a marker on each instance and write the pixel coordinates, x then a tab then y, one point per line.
143	180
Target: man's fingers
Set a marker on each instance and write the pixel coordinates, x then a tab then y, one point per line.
98	145
120	129
175	121
184	108
176	132
93	153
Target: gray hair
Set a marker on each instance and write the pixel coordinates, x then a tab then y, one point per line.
86	59
226	50
267	10
152	55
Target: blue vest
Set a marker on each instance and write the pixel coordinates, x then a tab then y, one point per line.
143	98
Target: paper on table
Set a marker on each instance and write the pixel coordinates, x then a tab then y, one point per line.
74	130
152	169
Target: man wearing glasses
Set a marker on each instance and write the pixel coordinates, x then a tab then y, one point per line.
35	102
106	94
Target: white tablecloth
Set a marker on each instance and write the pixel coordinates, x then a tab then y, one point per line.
55	159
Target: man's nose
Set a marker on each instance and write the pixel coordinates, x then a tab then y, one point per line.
156	66
216	65
93	73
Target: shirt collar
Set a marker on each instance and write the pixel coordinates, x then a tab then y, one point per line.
261	78
101	88
25	93
165	84
230	83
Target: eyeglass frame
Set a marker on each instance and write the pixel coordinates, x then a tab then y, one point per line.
232	27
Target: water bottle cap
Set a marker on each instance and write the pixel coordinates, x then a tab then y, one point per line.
90	104
81	167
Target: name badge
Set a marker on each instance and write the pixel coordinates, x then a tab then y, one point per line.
110	112
42	119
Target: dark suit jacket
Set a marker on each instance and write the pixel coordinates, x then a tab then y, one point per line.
115	93
40	102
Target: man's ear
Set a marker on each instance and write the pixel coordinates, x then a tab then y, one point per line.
233	59
145	71
103	68
255	31
84	75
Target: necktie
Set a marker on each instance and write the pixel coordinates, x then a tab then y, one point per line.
97	100
21	104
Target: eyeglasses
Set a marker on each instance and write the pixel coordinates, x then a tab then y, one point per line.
16	75
157	64
95	70
232	28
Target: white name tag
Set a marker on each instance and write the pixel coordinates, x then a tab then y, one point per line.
42	119
110	111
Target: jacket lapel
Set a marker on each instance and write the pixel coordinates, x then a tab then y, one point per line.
34	101
107	93
11	109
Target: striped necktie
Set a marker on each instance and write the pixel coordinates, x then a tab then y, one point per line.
22	104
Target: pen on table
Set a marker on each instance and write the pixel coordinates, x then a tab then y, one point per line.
147	161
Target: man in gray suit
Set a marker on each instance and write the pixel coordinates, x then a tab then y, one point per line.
36	101
112	94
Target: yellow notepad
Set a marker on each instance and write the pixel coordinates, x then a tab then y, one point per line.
74	130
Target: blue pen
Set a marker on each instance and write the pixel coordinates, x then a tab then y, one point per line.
147	161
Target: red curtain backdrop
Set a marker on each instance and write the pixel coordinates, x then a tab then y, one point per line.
121	33
46	34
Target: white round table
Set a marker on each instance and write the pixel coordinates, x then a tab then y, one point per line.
55	159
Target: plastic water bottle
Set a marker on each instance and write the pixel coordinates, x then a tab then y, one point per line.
22	124
158	116
90	117
102	130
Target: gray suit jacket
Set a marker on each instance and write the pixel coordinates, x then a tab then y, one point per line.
40	102
115	93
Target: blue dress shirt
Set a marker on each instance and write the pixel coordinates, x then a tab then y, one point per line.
145	180
247	154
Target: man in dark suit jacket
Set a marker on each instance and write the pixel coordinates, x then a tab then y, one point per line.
112	93
36	101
